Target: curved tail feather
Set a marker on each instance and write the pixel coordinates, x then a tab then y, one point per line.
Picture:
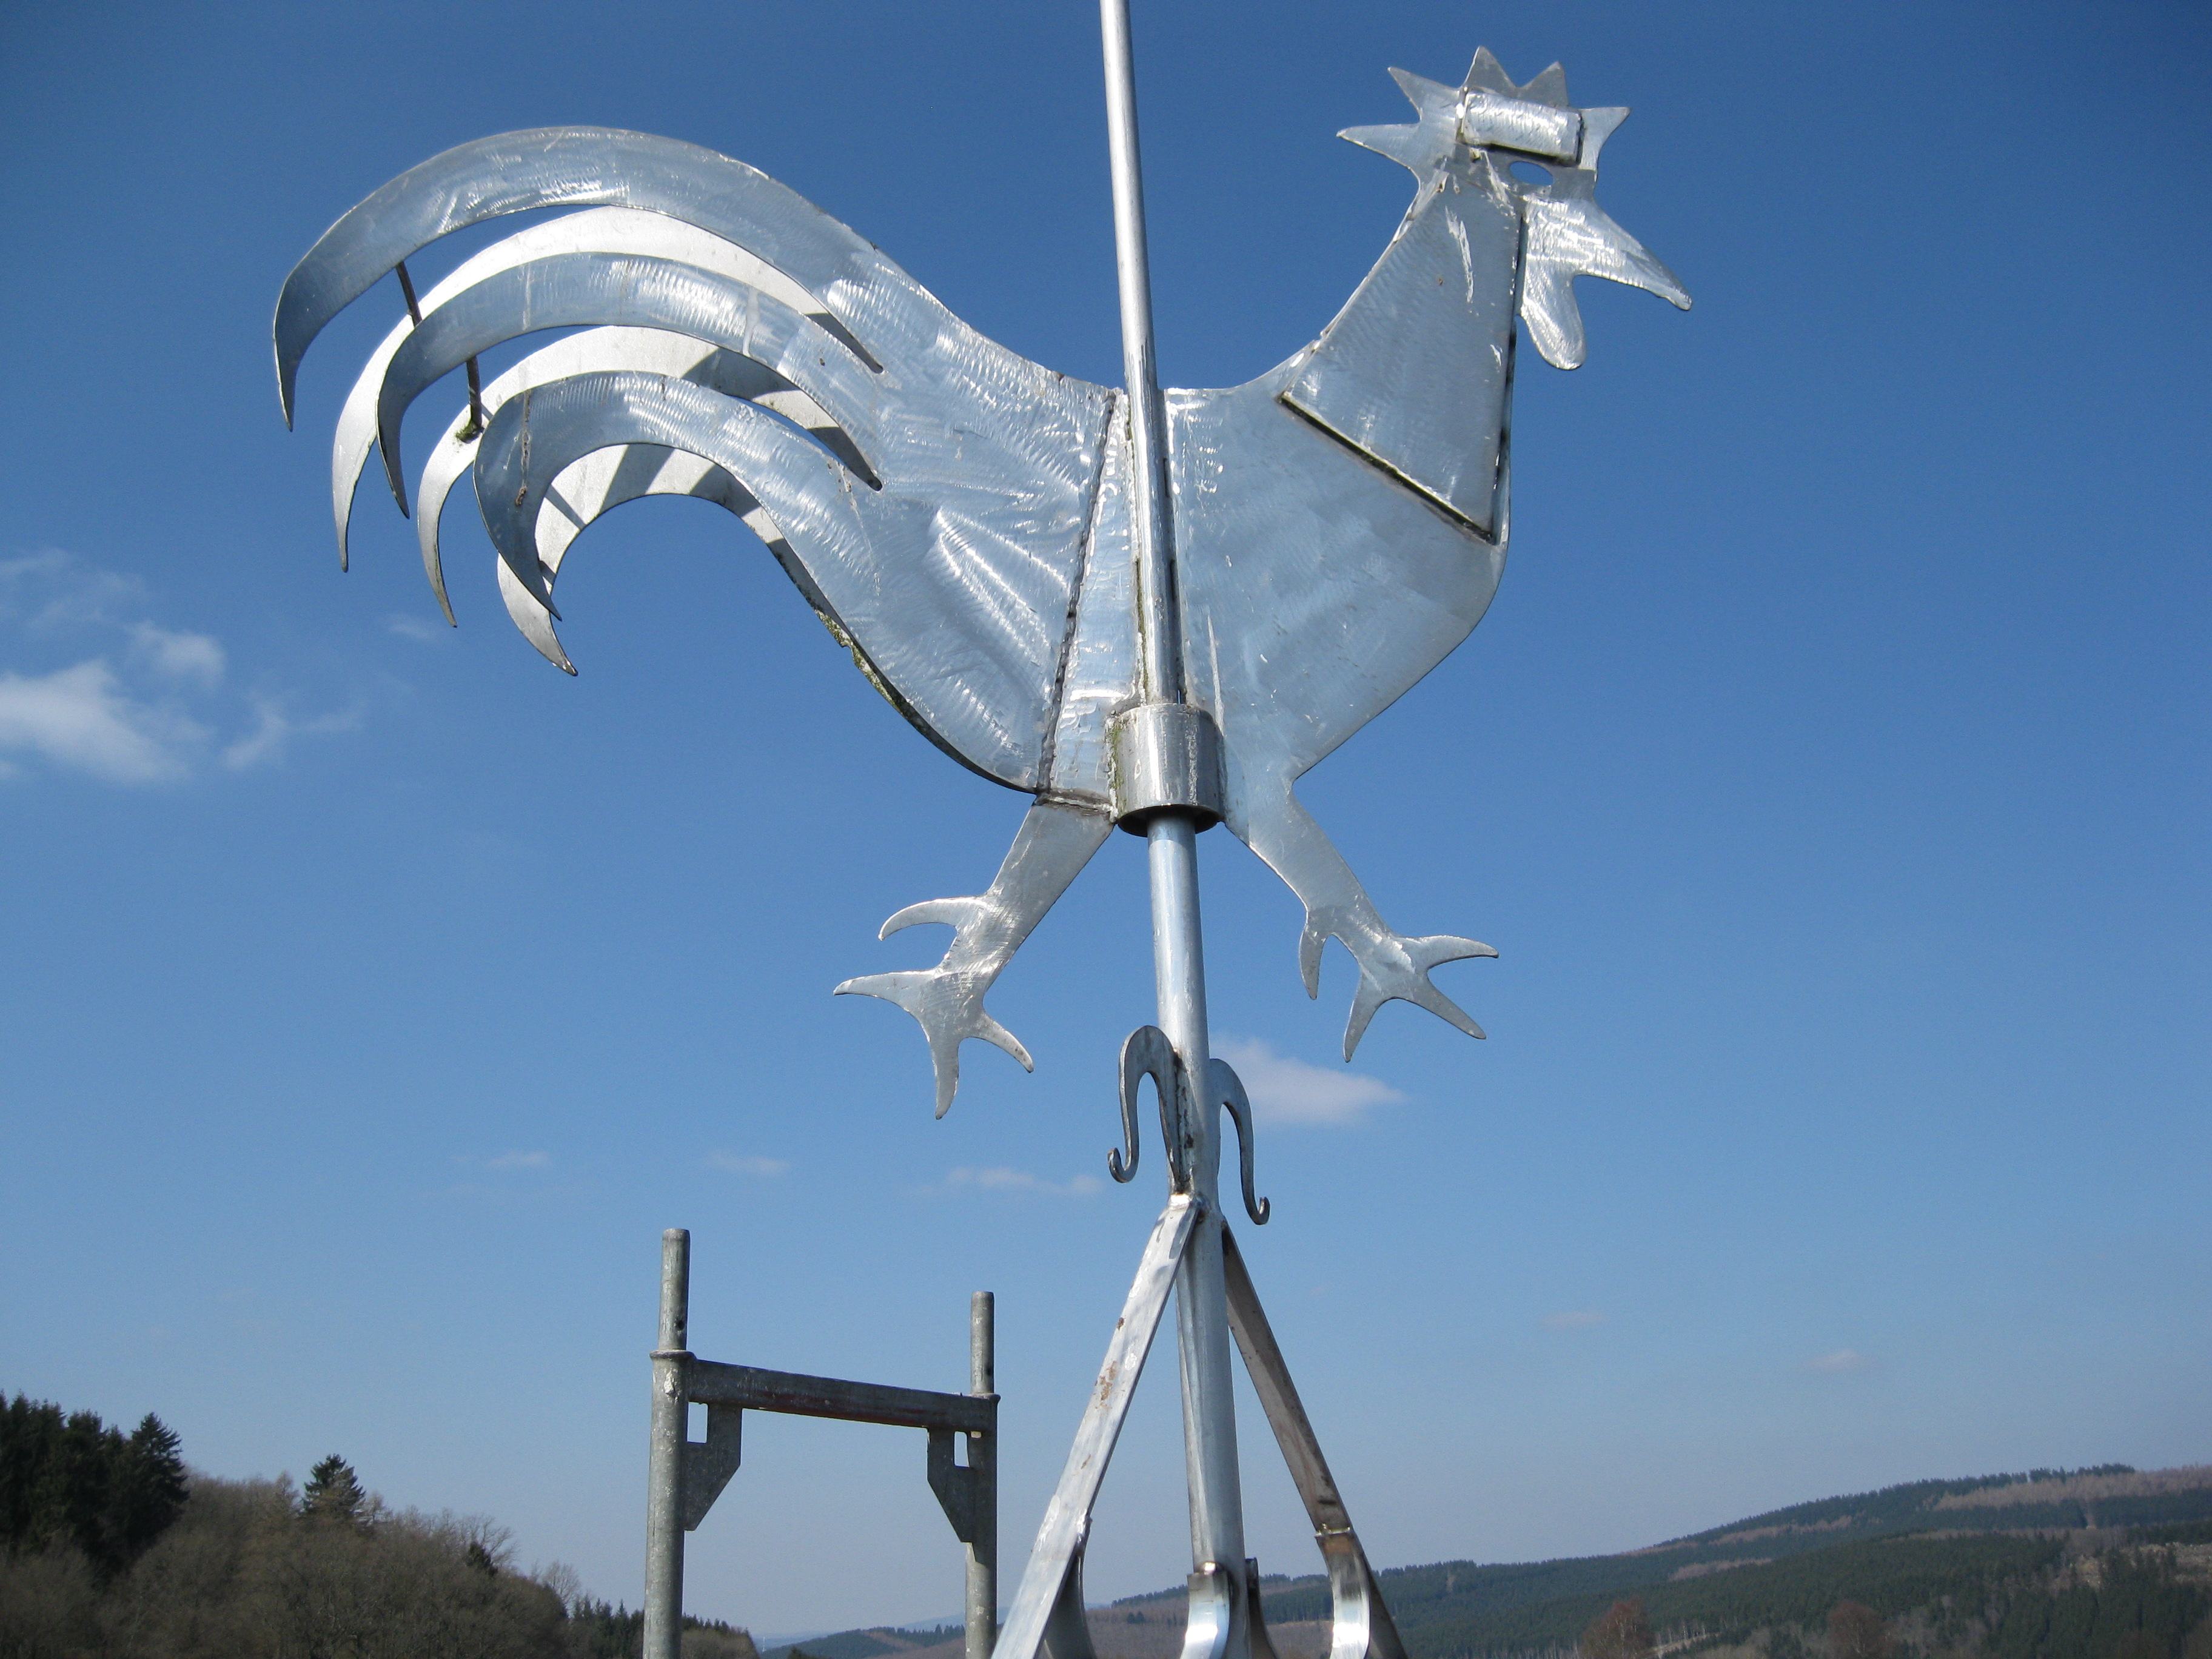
597	289
571	167
596	230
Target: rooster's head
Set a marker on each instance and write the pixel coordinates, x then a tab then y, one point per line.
1528	145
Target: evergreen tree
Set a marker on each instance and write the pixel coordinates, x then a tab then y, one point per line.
30	1434
82	1481
333	1493
149	1490
72	1480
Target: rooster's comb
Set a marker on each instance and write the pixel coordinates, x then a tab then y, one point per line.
1568	235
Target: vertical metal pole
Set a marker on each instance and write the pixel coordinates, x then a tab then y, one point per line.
1209	1404
1158	624
663	1482
983	1459
1217	1512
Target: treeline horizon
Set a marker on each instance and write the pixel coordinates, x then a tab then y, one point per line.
113	1547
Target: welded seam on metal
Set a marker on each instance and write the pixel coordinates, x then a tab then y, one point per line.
1088	545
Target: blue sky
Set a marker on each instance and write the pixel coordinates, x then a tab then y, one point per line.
1831	773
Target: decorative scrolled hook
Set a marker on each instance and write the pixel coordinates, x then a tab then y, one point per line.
1226	1087
1148	1054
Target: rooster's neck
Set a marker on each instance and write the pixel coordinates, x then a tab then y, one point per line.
1416	372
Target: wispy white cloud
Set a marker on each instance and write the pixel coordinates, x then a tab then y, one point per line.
273	730
1287	1090
82	719
198	658
1837	1364
519	1161
1579	1319
53	588
146	705
1000	1179
423	630
746	1163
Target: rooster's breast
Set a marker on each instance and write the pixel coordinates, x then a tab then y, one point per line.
1316	587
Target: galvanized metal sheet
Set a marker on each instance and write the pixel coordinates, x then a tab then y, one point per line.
1416	370
588	167
966	652
1340	522
603	230
587	289
651	350
1054	843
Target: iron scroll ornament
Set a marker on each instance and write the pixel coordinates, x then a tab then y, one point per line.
960	517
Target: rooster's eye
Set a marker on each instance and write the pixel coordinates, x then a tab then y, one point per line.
1530	173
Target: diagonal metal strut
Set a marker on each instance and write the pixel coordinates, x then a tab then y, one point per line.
1053	1578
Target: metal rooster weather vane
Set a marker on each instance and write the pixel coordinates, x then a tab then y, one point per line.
1154	610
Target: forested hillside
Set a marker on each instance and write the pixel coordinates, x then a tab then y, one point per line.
111	1548
2106	1563
1955	1553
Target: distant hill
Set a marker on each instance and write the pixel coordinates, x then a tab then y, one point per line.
2047	1565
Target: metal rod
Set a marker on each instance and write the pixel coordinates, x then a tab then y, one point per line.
1161	645
476	376
1209	1406
982	1619
664	1486
1209	1403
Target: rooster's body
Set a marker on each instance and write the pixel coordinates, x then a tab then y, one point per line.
960	517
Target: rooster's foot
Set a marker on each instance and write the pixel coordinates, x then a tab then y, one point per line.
1392	965
1052	845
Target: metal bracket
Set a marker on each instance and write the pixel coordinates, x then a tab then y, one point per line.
708	1464
1165	757
1227	1090
954	1484
1147	1053
1257	1642
1216	1611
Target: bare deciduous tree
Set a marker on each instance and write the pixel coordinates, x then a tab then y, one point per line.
1855	1631
1621	1631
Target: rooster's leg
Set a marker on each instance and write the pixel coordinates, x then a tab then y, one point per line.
1272	823
1049	851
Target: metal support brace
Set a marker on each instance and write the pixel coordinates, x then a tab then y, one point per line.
1046	1618
1047	1621
1256	1617
685	1476
1066	1629
1361	1625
